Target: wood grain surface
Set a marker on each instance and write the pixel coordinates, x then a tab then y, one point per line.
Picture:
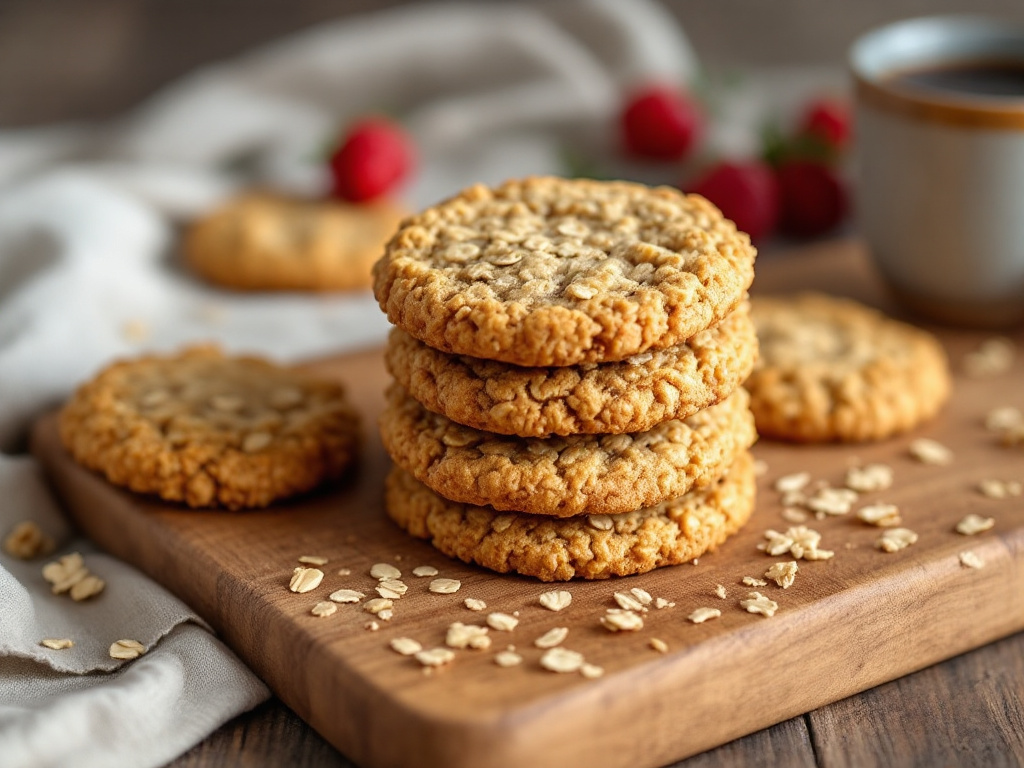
846	625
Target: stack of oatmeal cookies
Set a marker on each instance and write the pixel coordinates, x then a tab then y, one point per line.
567	357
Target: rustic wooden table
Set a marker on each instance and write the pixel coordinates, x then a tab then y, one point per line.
967	711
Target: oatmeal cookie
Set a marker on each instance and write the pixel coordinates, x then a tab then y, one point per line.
591	547
209	430
564	476
833	369
261	241
549	271
607	398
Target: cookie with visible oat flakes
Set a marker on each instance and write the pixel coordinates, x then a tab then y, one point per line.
209	430
833	369
263	241
565	476
586	547
593	398
555	272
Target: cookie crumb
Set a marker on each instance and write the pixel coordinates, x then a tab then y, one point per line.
371	626
556	600
445	586
305	579
755	602
384	571
126	650
970	560
701	615
502	622
931	452
882	515
973	524
760	467
323	609
783	574
896	539
57	643
869	478
620	620
405	646
659	645
474	605
551	638
422	571
346	596
508	659
720	591
27	541
561	660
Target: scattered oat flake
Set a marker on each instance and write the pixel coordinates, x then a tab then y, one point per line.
755	602
371	626
760	467
970	560
993	357
783	574
445	586
127	649
1003	418
344	571
600	522
386	615
794	515
896	539
1000	489
973	524
794	482
313	560
832	501
882	515
323	609
701	615
551	638
406	646
346	596
305	579
56	643
591	671
561	660
26	541
751	581
502	622
422	571
720	591
382	571
627	602
461	635
377	604
87	587
931	452
391	588
619	620
507	659
60	569
799	541
869	478
435	657
556	599
642	595
658	645
475	605
661	602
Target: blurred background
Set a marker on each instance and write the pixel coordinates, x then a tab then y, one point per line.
74	59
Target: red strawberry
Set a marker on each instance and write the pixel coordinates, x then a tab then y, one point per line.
827	120
746	192
813	198
661	123
371	160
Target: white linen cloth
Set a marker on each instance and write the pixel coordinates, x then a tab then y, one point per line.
88	218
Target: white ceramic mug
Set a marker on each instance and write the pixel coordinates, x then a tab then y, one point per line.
941	173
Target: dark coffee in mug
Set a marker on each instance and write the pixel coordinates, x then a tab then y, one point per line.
976	78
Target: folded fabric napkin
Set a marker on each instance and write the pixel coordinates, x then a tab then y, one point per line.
88	218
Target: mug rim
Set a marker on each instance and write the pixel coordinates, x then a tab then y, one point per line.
928	40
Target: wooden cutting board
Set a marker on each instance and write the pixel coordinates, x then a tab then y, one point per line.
847	624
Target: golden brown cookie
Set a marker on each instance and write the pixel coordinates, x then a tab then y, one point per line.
261	241
563	476
607	398
833	369
210	430
549	271
590	547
